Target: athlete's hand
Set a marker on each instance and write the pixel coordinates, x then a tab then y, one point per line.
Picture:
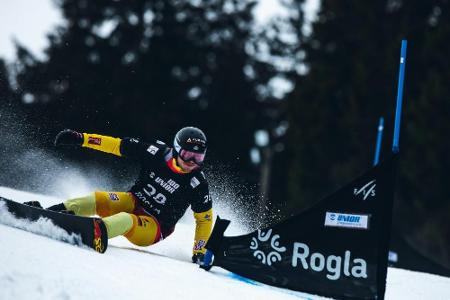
205	261
69	137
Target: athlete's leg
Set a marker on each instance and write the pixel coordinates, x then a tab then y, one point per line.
111	203
140	230
82	206
115	210
101	203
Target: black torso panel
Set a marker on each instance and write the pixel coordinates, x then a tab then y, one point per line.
162	192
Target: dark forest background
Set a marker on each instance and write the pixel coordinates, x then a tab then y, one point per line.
147	68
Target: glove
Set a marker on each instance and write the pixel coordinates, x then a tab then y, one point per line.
69	137
205	261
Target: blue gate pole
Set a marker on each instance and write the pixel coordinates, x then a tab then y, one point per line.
398	111
379	138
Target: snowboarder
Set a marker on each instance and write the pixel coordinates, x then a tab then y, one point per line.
170	180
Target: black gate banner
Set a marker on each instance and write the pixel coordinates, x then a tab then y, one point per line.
337	248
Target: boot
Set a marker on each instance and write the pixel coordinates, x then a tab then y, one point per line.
61	208
34	204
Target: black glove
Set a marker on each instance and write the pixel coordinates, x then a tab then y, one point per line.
69	137
205	261
197	258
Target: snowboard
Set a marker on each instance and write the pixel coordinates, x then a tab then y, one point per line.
92	231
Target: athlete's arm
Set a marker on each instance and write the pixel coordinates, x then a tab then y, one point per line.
203	226
203	213
129	147
102	143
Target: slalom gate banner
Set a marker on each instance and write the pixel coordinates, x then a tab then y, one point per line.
337	248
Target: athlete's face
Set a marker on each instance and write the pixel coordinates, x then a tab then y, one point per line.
188	166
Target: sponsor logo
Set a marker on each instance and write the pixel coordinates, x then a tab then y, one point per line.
94	141
199	245
160	142
143	221
113	197
196	141
334	219
368	190
194	182
152	149
98	245
302	257
170	185
134	140
334	265
274	255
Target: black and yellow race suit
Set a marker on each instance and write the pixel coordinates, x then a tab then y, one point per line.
162	189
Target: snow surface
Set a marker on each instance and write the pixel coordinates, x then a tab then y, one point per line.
36	267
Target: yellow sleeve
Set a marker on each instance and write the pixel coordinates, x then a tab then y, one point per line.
102	143
203	226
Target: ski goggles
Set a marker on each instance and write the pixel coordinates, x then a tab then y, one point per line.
188	156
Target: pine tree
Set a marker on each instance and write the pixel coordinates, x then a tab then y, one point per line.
146	68
352	58
5	87
334	109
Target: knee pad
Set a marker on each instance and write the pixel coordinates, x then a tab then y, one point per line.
84	206
145	231
111	203
118	224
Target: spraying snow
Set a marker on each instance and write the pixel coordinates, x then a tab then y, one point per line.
37	267
28	167
42	226
33	266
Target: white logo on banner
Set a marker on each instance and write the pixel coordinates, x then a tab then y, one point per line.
273	256
302	257
335	265
367	190
335	219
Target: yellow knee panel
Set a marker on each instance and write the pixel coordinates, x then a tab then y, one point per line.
145	231
111	203
83	206
115	209
118	224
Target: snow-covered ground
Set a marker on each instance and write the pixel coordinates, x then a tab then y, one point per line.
36	267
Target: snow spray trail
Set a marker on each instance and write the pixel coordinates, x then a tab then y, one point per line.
234	200
26	166
42	226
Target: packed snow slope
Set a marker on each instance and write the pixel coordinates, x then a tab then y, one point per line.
36	267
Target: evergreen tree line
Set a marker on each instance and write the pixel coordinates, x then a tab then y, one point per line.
353	61
146	68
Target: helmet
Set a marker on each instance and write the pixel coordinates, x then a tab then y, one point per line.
190	144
